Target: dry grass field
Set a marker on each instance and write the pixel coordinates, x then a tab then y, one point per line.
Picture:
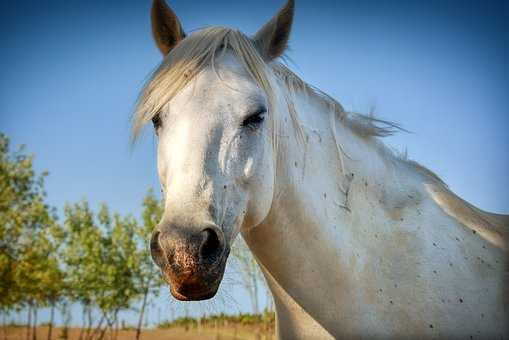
223	333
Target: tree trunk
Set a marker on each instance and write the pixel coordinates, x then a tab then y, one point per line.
109	325
142	311
66	320
116	327
83	324
255	293
4	328
97	329
29	321
89	324
34	332
103	331
52	315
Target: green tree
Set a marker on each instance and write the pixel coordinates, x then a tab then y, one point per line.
120	266
28	267
148	276
81	255
105	257
103	265
38	276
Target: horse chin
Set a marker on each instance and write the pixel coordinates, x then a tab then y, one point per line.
193	295
195	288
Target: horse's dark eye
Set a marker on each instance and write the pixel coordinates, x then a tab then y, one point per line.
156	120
255	120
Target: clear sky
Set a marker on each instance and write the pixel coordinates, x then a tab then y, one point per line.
71	72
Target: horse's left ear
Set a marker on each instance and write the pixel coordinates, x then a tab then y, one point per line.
272	38
166	27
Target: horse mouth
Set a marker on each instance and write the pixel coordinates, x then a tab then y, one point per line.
195	284
196	287
191	295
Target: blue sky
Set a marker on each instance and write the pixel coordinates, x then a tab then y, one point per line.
71	72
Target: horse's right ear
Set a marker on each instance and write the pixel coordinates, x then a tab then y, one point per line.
272	38
166	27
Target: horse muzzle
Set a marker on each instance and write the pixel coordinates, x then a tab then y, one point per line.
192	259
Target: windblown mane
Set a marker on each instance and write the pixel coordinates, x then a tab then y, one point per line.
200	49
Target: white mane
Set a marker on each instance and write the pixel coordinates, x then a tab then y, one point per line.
201	48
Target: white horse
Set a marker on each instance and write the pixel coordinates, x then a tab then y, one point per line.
354	241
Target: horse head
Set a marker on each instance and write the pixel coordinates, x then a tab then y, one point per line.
212	105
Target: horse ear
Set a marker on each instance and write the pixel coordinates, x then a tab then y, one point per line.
166	27
272	38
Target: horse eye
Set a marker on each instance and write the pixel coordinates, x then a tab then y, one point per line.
255	120
156	120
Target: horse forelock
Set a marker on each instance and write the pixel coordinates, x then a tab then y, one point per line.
188	59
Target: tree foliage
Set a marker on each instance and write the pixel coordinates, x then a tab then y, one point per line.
29	234
105	259
98	260
30	237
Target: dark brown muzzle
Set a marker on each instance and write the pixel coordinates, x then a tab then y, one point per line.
192	260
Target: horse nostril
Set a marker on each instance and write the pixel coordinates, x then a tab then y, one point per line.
210	248
155	249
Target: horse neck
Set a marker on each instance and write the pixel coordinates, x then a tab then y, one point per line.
321	171
333	257
299	243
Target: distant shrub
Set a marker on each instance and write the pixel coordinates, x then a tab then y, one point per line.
13	324
266	318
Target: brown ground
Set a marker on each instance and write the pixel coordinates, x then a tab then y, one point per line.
224	333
